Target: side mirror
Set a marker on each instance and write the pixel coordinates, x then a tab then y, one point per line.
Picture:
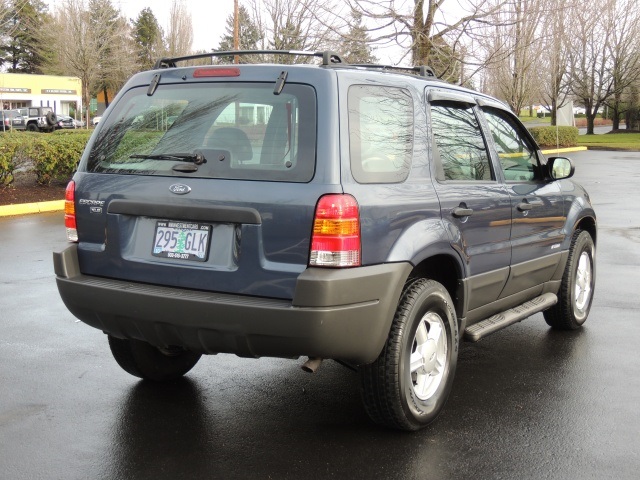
560	168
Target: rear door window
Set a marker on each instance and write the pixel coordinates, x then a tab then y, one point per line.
461	152
234	131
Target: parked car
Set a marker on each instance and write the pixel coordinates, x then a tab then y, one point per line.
6	116
79	123
96	120
357	213
64	121
35	119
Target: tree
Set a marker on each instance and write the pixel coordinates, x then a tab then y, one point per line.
300	25
92	46
355	44
632	113
24	48
624	54
516	52
423	29
77	47
147	36
588	53
114	56
249	35
554	90
180	32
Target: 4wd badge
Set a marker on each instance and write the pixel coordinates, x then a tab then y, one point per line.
180	189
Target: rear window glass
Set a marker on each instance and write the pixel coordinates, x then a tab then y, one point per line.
234	131
380	133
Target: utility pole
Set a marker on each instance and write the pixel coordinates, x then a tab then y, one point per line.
236	31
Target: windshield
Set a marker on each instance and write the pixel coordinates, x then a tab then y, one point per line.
240	131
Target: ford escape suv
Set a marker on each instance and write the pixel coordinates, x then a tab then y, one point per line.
356	213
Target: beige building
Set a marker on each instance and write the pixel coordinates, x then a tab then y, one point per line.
63	94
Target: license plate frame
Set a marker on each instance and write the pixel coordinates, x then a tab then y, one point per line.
181	240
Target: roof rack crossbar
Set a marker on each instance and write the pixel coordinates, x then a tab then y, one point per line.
328	57
422	70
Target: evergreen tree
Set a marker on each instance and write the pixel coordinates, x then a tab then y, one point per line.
24	48
249	35
354	46
147	36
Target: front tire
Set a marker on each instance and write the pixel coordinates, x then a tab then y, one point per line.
578	283
408	385
143	360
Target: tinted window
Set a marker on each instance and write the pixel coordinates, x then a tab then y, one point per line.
460	146
380	133
241	132
516	152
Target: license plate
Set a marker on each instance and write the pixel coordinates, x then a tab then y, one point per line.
182	240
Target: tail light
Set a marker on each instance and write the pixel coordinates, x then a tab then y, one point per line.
70	212
336	232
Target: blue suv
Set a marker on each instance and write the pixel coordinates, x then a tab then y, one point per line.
359	213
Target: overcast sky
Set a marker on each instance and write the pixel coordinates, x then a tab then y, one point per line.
208	16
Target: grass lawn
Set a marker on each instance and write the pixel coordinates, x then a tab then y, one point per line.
614	141
528	119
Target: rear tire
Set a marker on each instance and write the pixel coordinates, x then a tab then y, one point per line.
578	283
408	385
143	360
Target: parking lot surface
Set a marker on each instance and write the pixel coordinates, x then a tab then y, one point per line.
527	402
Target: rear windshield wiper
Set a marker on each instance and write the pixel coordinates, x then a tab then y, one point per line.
196	158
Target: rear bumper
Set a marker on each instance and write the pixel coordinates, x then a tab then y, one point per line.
342	314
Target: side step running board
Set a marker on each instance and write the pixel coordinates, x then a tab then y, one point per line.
501	320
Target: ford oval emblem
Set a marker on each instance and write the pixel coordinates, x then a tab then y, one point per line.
180	189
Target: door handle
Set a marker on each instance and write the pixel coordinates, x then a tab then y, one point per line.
528	205
459	212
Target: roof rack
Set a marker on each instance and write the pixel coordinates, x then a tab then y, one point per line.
421	70
328	57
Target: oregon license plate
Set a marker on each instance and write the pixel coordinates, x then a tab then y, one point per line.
182	240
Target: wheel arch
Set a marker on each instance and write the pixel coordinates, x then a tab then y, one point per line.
446	269
588	224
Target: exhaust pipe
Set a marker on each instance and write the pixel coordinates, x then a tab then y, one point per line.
312	364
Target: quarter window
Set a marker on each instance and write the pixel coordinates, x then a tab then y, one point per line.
380	133
459	143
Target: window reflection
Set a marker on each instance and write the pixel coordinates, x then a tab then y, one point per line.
459	141
517	156
380	133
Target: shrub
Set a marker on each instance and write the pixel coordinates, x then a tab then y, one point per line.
8	147
55	157
555	136
51	156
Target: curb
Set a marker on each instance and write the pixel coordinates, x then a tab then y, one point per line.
564	150
27	208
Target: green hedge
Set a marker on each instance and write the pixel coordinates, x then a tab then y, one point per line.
555	136
11	148
53	157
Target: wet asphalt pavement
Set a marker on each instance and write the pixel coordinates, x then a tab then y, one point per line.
527	402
